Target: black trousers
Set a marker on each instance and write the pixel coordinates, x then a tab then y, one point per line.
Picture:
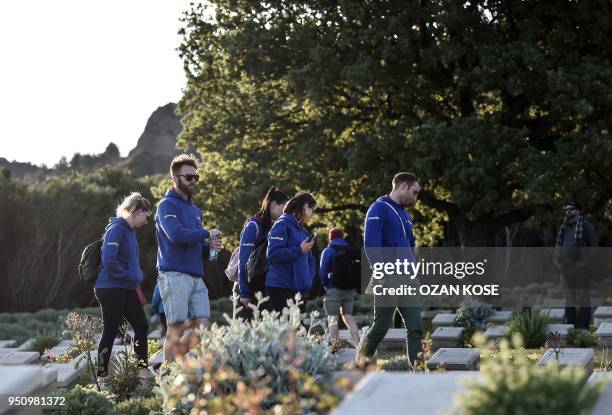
576	288
119	304
279	296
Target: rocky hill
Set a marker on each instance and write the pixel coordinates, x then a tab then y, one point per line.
152	155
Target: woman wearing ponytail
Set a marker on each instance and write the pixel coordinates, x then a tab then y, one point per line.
255	231
291	265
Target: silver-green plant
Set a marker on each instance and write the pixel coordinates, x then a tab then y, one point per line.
264	352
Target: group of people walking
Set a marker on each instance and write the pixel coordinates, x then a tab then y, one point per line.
281	222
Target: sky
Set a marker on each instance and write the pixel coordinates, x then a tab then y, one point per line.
78	74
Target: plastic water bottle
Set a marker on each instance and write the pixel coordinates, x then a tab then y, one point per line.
213	254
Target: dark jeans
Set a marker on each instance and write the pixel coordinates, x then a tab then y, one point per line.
119	304
576	288
279	296
409	308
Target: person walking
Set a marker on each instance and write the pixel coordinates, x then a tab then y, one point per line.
182	245
337	301
389	236
254	232
291	265
120	275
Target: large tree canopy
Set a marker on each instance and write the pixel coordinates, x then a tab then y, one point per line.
501	107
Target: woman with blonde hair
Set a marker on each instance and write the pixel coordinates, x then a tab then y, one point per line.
120	275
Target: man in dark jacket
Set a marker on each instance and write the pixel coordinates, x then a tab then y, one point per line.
574	252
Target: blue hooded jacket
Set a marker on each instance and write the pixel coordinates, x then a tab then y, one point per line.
156	302
327	259
180	236
288	267
252	234
388	225
120	260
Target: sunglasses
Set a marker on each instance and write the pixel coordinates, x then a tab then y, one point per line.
567	209
190	177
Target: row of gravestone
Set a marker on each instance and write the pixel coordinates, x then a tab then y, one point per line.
429	394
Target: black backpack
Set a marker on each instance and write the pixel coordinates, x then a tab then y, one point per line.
346	268
257	266
91	262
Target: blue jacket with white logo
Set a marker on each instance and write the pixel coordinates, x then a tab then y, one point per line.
180	236
288	267
327	259
252	234
388	225
120	261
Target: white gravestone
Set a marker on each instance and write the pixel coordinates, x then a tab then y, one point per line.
443	320
401	393
447	337
455	359
604	335
602	315
500	317
570	357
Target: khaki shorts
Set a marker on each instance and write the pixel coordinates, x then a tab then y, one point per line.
336	298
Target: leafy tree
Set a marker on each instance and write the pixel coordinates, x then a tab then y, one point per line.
502	107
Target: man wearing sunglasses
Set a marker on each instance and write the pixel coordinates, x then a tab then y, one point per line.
182	246
574	252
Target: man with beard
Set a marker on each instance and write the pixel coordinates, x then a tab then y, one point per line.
182	246
388	236
574	252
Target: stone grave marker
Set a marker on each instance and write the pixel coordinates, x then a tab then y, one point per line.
430	314
395	339
500	317
604	335
561	329
496	332
455	359
26	345
7	344
25	381
443	320
555	315
602	315
570	357
16	357
604	401
446	337
68	373
405	393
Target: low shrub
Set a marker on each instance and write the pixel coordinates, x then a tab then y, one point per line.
511	384
581	338
472	315
140	406
531	325
43	342
397	363
83	401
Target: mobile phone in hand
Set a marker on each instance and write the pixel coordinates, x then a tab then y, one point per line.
311	237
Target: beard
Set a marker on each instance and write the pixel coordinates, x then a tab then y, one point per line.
187	189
